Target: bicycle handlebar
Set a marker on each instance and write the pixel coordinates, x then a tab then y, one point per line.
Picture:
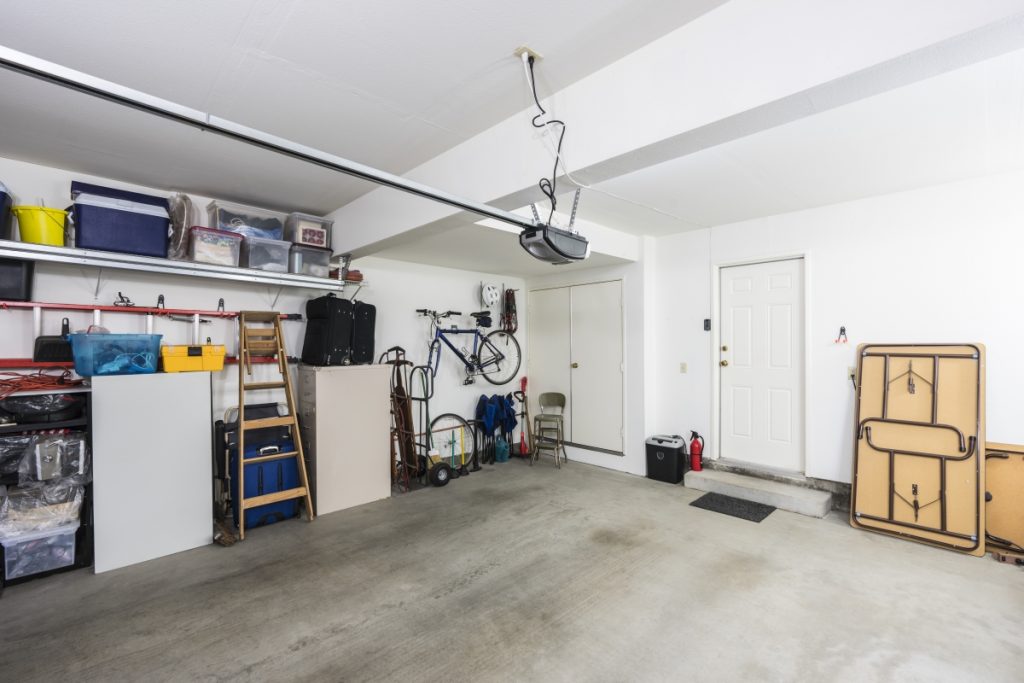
435	314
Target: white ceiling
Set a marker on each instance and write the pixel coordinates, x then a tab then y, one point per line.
962	124
484	249
390	84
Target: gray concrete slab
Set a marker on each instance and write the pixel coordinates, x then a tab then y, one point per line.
520	573
784	496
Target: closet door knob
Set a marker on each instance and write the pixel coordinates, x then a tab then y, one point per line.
575	365
724	363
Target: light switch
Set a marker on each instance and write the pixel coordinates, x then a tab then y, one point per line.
682	367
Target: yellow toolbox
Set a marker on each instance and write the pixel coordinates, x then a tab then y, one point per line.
202	358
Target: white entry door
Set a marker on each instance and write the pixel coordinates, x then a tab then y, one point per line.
761	364
597	366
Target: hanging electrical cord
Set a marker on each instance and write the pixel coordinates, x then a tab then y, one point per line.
560	157
547	186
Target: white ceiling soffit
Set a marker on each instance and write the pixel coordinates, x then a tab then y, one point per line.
486	250
389	84
965	123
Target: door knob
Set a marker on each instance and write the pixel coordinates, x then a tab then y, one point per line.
725	348
575	365
724	363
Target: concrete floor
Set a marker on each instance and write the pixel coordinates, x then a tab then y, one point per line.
521	573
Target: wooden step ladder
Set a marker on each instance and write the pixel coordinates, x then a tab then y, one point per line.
266	340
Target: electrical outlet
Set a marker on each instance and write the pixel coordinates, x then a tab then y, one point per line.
522	49
682	367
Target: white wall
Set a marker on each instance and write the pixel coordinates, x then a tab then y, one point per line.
395	287
398	288
931	265
636	423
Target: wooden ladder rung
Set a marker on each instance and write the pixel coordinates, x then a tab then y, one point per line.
256	386
272	456
260	316
269	498
286	421
260	332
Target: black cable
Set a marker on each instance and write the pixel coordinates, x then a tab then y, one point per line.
547	186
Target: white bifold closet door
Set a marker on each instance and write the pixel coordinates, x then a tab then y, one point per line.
548	346
576	348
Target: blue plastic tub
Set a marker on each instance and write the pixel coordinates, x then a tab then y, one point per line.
115	354
121	221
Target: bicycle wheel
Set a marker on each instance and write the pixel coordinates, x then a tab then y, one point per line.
500	357
453	439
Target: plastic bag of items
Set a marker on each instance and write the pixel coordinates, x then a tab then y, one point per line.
51	457
12	449
41	507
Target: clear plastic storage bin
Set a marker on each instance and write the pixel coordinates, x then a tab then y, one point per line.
246	220
304	228
310	261
263	254
219	247
115	354
38	551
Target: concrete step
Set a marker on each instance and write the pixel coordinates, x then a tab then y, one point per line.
797	499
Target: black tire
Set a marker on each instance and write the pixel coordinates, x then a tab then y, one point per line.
446	439
500	371
440	474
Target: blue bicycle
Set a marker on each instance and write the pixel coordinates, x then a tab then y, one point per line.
495	357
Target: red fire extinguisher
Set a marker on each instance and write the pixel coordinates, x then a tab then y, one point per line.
696	449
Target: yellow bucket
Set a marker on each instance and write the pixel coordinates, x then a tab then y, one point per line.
40	224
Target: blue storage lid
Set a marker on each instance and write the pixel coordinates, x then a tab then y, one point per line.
78	188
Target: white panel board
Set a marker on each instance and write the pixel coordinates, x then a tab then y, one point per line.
152	478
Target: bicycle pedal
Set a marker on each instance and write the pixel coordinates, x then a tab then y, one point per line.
468	381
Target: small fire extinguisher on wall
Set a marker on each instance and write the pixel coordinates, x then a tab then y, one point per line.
696	449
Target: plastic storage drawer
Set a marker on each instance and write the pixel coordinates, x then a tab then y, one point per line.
264	254
310	261
219	247
115	354
116	220
246	220
202	358
38	551
304	228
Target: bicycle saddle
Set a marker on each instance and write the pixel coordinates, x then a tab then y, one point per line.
481	314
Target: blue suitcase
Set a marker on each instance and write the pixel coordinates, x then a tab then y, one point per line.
266	477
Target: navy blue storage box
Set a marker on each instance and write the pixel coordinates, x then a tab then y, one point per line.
5	214
265	477
121	221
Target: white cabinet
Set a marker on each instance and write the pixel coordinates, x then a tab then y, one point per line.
576	349
152	478
345	420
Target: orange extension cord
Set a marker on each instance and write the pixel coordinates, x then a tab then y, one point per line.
13	382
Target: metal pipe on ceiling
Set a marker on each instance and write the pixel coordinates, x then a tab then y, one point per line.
22	63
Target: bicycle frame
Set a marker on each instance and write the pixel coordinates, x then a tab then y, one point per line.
479	340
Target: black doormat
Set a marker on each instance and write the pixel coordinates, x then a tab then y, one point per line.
734	507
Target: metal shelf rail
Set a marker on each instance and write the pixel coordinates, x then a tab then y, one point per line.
108	259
